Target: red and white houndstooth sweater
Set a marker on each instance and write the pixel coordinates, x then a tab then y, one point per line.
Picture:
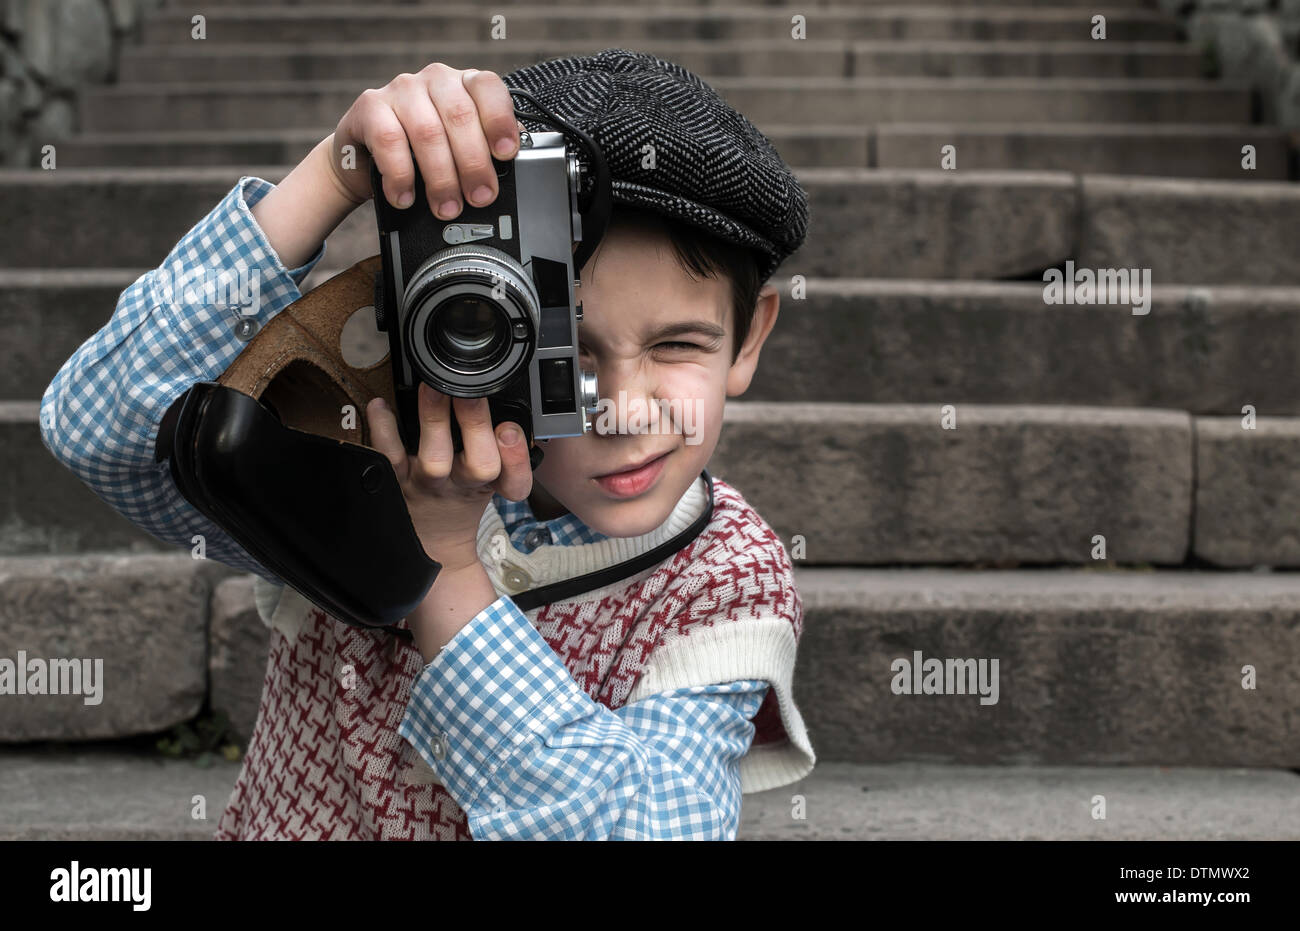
328	761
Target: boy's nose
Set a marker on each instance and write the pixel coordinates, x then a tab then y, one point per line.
627	403
626	412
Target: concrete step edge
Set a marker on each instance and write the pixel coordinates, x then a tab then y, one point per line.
939	11
980	84
1116	47
35	177
116	795
1158	590
1067	129
893	588
92	277
855	412
292	134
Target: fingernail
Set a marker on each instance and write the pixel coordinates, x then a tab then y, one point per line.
449	209
381	404
510	436
505	147
482	195
406	198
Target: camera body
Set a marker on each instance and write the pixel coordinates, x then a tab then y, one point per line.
482	305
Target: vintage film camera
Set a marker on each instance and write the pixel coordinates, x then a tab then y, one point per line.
482	305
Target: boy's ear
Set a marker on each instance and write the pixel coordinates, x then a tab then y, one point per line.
742	370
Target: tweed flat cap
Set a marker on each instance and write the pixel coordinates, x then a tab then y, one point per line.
712	167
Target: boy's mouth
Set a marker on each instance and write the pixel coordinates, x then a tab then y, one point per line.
633	480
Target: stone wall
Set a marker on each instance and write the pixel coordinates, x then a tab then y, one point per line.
1256	41
47	49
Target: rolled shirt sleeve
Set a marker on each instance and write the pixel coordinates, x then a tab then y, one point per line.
527	754
174	326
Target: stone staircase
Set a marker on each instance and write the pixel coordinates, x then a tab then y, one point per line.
1120	676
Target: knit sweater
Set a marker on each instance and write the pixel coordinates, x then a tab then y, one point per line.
722	609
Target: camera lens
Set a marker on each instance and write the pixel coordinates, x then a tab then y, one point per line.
469	332
471	315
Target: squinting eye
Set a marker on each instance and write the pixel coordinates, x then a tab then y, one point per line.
680	345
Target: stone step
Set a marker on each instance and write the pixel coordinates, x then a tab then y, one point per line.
817	145
107	793
936	224
927	801
378	62
45	315
885	483
1167	150
709	4
888	484
136	627
47	508
1094	666
922	224
629	25
1157	223
308	104
1207	350
1247	492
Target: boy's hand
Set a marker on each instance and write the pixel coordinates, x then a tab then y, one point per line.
448	118
446	494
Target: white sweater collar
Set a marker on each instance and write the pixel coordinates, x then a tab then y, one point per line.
512	571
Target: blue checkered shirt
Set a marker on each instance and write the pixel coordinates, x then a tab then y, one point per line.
515	740
527	532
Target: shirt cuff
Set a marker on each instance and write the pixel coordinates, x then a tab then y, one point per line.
253	190
494	685
224	272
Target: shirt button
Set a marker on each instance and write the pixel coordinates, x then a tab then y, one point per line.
516	580
246	329
438	744
537	537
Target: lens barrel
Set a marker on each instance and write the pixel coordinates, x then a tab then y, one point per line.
472	316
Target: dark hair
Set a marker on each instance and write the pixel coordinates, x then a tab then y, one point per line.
701	253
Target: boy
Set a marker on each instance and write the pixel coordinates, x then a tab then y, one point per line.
640	708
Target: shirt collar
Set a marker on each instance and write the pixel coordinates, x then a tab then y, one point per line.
527	532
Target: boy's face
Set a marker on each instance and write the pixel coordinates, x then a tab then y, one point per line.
662	393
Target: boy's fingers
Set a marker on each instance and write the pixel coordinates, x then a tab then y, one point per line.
460	116
516	480
496	110
428	140
384	435
479	462
435	453
386	140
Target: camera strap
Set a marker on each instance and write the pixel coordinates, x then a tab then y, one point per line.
590	581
